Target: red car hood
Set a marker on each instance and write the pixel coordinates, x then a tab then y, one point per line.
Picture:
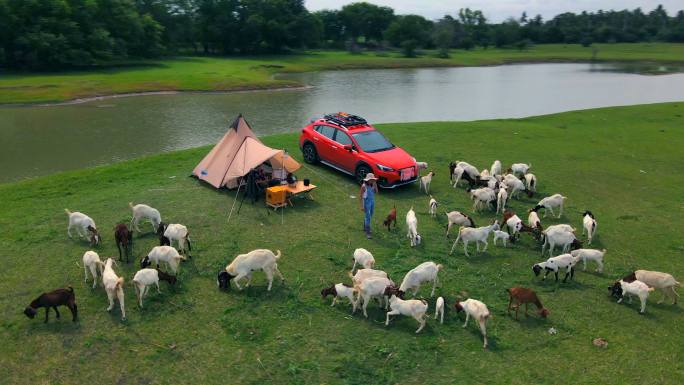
396	158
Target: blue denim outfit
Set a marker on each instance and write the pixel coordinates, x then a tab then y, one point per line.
368	206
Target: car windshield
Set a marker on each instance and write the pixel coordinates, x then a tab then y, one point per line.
372	141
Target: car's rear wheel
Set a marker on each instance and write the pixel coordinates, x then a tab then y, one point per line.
310	154
361	172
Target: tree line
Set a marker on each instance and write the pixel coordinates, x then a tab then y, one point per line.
51	34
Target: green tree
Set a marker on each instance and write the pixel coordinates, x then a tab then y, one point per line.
409	32
365	20
443	36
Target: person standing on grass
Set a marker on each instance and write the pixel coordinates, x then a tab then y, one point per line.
369	188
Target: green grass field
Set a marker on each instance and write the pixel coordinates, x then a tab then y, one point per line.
622	163
240	73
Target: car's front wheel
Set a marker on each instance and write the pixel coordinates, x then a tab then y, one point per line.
310	154
361	172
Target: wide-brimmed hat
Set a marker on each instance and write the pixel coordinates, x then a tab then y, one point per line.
369	176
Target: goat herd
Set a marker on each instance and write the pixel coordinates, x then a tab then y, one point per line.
489	189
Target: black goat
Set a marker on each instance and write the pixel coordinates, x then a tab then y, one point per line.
59	297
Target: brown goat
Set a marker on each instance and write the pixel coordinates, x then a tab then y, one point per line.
59	297
124	238
522	295
391	217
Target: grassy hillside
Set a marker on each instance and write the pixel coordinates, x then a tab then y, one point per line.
239	73
619	162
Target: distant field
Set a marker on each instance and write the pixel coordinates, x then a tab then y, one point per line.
240	73
622	163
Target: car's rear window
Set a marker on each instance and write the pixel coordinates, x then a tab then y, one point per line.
372	141
326	131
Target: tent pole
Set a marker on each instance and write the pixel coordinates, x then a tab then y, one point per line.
234	200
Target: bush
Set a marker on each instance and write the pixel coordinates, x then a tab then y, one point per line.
408	47
586	41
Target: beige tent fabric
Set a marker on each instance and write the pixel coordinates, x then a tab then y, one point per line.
236	154
290	164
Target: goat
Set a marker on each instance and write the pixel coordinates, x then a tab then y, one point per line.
425	272
620	289
522	295
244	264
92	262
588	225
495	169
433	206
514	225
364	274
458	218
339	290
141	211
501	198
439	309
530	184
548	203
179	233
563	261
84	225
519	168
504	236
478	235
161	229
163	254
364	258
59	297
466	171
425	182
477	310
113	285
124	239
371	288
514	185
145	278
413	307
592	255
482	197
557	236
391	217
412	225
663	281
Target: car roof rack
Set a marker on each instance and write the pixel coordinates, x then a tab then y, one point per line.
345	120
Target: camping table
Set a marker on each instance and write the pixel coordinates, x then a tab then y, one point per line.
298	189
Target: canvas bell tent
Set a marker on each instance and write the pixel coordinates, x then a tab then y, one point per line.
236	154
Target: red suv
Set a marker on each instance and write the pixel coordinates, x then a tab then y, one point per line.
349	144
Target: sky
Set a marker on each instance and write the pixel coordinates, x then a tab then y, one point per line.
499	10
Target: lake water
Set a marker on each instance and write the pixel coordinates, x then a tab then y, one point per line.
47	139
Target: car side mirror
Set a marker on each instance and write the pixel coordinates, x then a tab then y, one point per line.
349	147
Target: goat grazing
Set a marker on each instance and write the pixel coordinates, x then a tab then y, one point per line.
161	229
59	297
369	289
592	255
482	197
530	184
339	290
364	274
477	310
514	185
495	169
501	198
124	239
425	182
245	264
439	309
663	281
84	225
458	218
519	168
364	258
92	262
563	261
562	237
412	225
620	289
413	307
504	236
425	272
113	285
521	295
141	211
588	225
433	206
163	254
548	203
477	235
145	278
179	233
391	217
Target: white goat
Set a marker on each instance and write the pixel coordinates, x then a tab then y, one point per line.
412	225
458	218
425	272
439	309
364	274
533	220
369	289
179	233
482	197
364	258
477	235
589	225
637	288
433	206
425	182
531	182
339	290
495	169
514	185
84	225
92	262
478	310
145	278
514	225
563	261
561	237
548	204
412	307
422	165
663	281
498	234
141	211
501	198
245	264
591	255
520	168
163	254
113	285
